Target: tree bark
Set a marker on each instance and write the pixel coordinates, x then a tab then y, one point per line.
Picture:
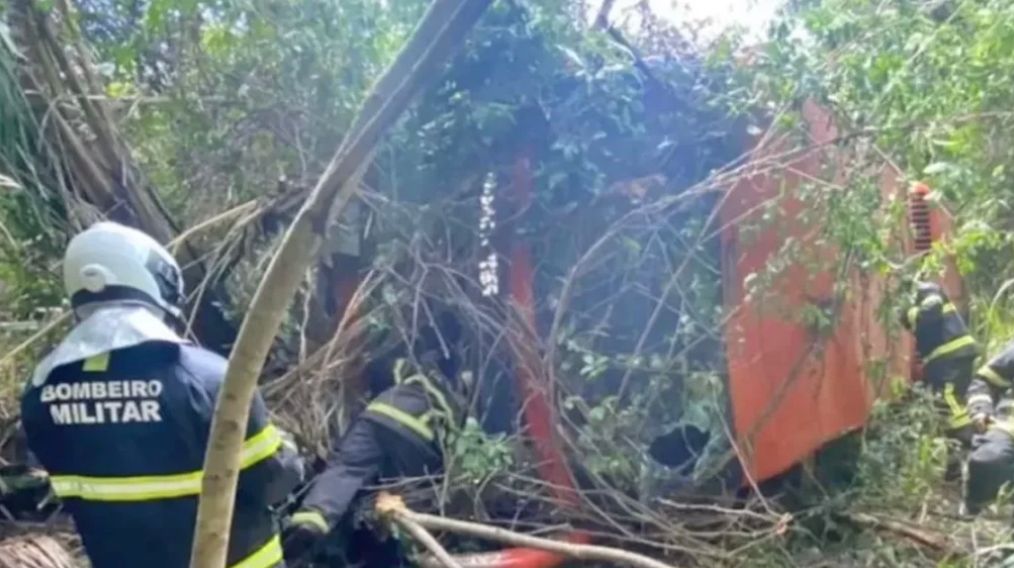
441	30
101	172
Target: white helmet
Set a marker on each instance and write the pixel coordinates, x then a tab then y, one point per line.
111	262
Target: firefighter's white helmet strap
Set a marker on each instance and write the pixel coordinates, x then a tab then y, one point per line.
111	262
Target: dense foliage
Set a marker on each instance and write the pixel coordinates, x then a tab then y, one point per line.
923	85
232	109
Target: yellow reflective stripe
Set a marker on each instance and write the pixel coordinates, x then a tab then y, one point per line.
143	488
959	416
949	308
952	400
260	446
434	392
950	347
265	557
992	377
152	487
913	316
931	301
959	422
313	518
405	419
97	363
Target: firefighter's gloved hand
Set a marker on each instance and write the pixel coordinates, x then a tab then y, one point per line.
303	535
981	422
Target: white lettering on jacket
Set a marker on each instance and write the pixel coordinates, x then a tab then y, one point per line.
103	402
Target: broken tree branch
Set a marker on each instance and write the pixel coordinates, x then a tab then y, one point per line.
439	33
394	508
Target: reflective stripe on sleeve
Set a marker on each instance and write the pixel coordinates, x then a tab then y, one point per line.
950	347
153	487
931	301
956	422
314	518
992	377
260	446
265	557
979	399
401	417
912	315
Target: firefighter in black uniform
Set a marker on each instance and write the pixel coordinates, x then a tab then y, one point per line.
948	354
991	463
120	412
401	433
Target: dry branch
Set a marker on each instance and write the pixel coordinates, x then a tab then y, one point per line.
394	508
929	539
441	30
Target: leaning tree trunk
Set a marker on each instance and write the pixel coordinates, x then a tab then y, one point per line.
439	33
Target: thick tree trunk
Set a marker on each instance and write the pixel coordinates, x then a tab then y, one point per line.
438	34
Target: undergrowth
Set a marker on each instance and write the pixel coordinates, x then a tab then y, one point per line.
893	472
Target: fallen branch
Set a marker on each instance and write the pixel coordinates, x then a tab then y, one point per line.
929	539
394	508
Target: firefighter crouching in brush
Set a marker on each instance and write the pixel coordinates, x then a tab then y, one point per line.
991	463
401	433
120	412
948	355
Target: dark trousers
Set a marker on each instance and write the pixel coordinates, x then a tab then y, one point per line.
990	465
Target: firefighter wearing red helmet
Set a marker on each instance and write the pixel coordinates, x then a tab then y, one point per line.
120	411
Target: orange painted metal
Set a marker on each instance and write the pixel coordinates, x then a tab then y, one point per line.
534	392
794	386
